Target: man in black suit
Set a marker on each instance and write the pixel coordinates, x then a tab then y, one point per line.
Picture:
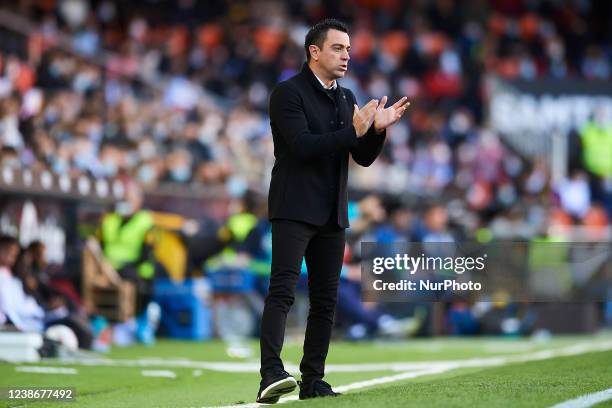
315	124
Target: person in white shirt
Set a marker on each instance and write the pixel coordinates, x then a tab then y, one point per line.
16	307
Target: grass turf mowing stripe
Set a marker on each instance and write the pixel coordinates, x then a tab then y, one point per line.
253	367
118	386
46	370
355	385
342	352
549	382
525	385
587	400
438	368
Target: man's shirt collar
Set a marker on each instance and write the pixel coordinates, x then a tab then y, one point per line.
333	86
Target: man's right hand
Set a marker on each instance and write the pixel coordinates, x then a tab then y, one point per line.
364	117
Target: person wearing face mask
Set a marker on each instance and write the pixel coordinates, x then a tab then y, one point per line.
126	238
179	164
180	174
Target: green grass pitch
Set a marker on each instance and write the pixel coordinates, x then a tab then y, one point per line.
488	372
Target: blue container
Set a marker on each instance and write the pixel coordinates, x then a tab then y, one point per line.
232	280
186	313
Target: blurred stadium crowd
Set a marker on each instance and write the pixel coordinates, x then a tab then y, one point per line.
182	96
176	92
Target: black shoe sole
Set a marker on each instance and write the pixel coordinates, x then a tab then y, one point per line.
273	392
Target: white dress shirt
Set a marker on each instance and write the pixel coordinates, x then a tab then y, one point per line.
15	304
334	84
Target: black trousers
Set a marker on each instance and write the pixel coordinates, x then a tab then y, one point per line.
323	249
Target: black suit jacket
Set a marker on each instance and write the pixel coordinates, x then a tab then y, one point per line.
306	136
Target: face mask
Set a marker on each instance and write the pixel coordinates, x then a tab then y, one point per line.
507	194
180	174
55	70
95	132
51	116
236	186
146	174
110	168
81	161
124	208
513	166
60	166
82	83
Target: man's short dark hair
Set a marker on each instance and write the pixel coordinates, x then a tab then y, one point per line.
7	241
318	33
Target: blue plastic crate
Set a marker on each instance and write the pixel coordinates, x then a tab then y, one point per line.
232	280
186	313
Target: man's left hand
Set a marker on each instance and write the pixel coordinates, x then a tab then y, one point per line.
386	117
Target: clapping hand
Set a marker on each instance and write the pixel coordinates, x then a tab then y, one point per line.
364	117
385	117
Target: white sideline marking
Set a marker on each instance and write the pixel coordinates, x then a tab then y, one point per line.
45	370
159	373
392	378
586	400
438	367
352	386
253	367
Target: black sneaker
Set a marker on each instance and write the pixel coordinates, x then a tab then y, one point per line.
274	385
316	388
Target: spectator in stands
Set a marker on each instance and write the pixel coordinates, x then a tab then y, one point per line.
17	308
366	320
20	295
596	146
57	301
435	227
185	102
127	244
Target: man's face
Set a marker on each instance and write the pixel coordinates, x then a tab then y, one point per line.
334	56
134	197
9	256
436	219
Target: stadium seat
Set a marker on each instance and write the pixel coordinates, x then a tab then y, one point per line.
104	292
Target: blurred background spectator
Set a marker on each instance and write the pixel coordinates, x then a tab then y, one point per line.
175	93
